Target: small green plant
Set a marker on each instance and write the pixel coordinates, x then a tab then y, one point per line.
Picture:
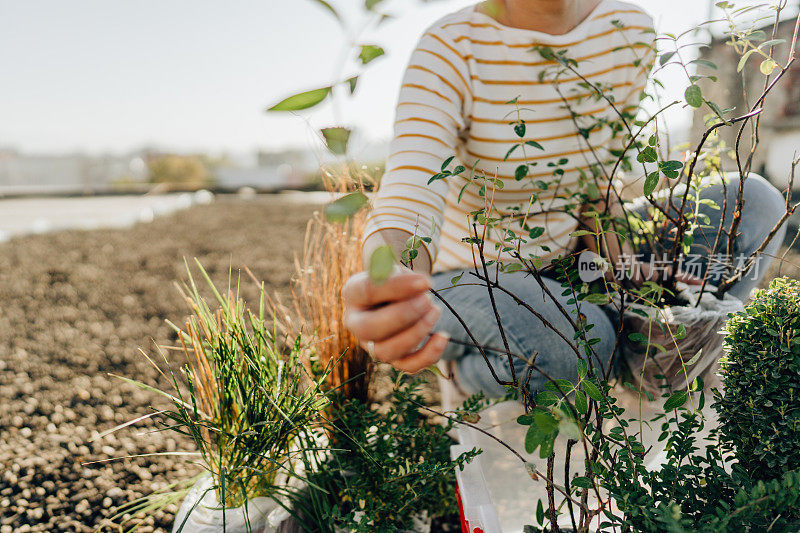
383	471
692	490
759	410
243	397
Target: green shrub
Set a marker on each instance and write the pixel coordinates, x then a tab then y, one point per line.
383	469
759	411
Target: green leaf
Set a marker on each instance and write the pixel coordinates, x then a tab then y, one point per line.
534	144
650	183
597	298
511	151
545	421
336	139
521	172
705	63
676	400
519	129
767	66
345	207
592	390
525	420
665	57
447	162
696	357
671	169
583	368
370	52
694	96
743	59
546	447
581	405
638	337
546	398
370	4
582	482
771	42
536	232
381	264
533	438
302	100
647	155
717	110
352	82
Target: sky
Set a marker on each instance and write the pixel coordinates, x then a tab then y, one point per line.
110	76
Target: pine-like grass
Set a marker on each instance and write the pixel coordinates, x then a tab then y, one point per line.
245	398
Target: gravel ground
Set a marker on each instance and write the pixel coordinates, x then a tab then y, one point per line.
74	308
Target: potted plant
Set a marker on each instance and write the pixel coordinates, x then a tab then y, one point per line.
390	468
251	409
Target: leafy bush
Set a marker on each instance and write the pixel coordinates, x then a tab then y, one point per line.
759	411
383	469
693	490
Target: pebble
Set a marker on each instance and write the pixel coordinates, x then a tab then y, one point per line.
76	307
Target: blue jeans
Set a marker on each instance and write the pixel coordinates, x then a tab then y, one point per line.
527	334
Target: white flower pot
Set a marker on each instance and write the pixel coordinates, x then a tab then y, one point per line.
201	513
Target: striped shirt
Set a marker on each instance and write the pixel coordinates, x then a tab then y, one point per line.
469	79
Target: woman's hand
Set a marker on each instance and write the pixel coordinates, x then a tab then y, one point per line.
391	320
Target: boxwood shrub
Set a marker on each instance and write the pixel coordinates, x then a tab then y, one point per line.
760	408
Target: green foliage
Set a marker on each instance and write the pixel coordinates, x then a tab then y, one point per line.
336	139
759	411
411	251
381	264
383	470
304	100
244	398
693	490
341	209
370	52
694	96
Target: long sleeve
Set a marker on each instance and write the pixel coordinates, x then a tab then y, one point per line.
632	182
430	114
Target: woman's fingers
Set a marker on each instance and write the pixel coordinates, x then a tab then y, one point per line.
424	357
378	324
406	341
360	291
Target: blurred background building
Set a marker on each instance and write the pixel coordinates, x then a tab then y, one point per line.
779	133
23	174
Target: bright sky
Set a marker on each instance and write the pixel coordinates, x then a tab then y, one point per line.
114	75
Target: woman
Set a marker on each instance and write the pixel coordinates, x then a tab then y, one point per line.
474	75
